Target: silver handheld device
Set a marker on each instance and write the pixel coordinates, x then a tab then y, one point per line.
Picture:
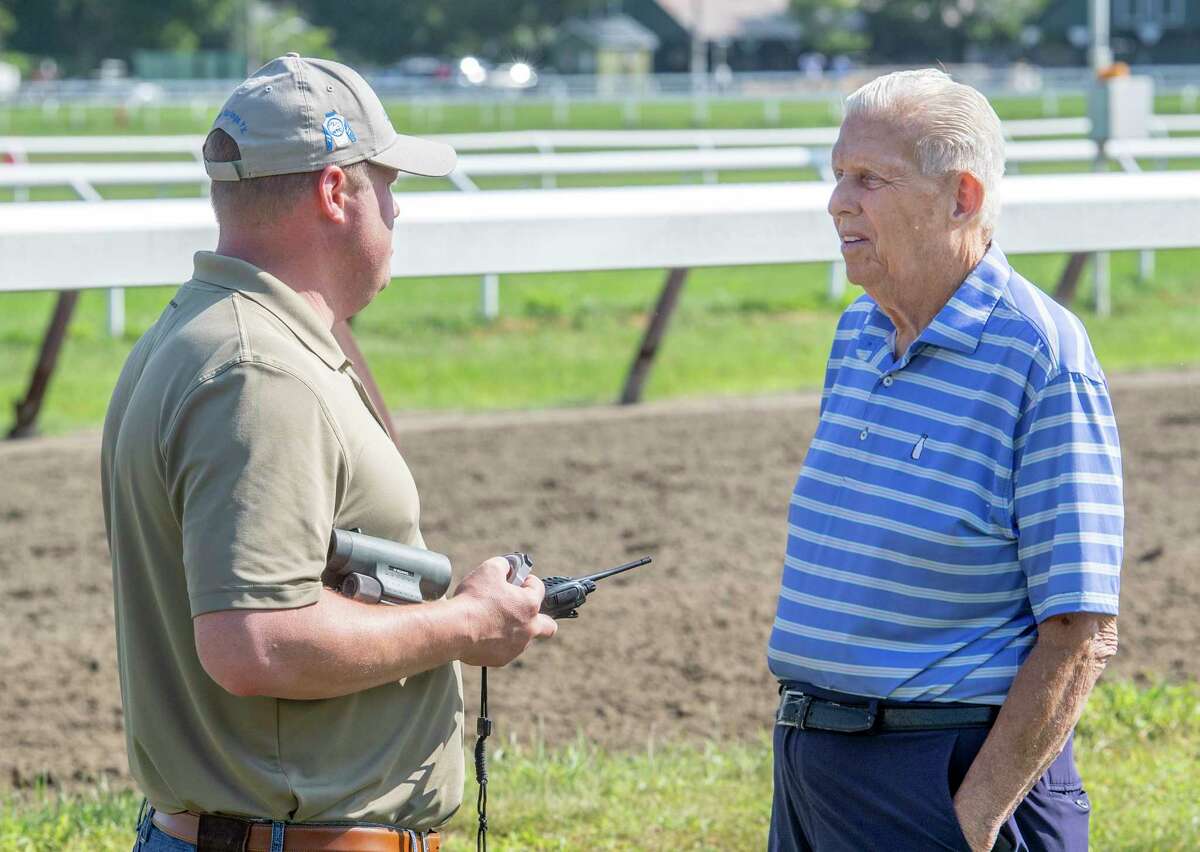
376	570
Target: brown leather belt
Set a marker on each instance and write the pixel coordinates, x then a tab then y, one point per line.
302	837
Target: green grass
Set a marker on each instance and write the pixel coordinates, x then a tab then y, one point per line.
567	339
416	116
1138	750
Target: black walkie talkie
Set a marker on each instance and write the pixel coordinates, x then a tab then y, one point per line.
564	595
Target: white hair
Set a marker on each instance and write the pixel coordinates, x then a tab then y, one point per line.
958	131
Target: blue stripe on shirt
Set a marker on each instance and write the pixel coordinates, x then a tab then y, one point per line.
951	498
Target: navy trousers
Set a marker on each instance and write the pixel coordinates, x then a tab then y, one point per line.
894	792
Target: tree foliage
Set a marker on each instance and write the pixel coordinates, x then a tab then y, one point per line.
911	30
280	29
81	32
381	31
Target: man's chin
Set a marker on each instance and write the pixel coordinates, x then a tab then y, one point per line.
858	276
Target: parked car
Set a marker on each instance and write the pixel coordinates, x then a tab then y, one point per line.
513	75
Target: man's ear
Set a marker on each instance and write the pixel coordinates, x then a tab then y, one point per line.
333	194
968	197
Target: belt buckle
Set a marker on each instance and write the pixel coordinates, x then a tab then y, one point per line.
798	700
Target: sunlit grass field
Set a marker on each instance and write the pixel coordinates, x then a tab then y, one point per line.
1138	750
423	116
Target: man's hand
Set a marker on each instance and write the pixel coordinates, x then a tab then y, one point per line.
979	829
504	618
1043	705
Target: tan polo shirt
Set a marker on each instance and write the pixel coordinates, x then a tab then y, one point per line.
237	438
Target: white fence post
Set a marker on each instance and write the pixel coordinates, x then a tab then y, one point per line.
1145	265
1101	279
1187	98
837	281
630	114
489	284
116	312
562	105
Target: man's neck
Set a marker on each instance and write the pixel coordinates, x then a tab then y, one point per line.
911	306
297	270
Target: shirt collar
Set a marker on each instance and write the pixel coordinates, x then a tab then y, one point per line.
959	324
281	300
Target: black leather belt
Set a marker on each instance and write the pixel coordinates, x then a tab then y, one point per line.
808	712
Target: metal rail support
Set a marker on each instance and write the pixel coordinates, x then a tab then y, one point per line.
29	408
644	359
1068	282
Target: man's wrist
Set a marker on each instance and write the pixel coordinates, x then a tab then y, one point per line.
462	616
979	823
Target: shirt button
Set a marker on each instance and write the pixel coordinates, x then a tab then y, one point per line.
887	381
862	436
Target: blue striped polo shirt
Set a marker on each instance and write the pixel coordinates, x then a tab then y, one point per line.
951	498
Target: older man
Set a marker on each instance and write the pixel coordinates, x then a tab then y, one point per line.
949	592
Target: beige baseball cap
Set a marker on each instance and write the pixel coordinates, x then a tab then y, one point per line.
299	115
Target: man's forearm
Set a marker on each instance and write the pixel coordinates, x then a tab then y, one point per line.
334	647
1043	705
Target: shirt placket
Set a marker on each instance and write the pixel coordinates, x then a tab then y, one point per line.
364	396
884	366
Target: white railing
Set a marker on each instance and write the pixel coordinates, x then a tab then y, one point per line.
84	177
65	245
21	147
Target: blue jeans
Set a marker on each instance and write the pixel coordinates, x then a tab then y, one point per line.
150	838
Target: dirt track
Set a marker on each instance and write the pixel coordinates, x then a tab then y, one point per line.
676	650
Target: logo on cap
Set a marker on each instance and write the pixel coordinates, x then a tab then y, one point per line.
338	133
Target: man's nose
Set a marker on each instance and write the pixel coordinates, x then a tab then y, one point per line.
841	200
395	208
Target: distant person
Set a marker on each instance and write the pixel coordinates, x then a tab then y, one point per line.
813	65
949	592
263	711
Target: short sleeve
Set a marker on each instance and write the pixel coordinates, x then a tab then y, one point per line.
254	469
1068	506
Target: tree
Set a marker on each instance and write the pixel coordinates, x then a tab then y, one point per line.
7	21
81	32
382	31
280	29
912	30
